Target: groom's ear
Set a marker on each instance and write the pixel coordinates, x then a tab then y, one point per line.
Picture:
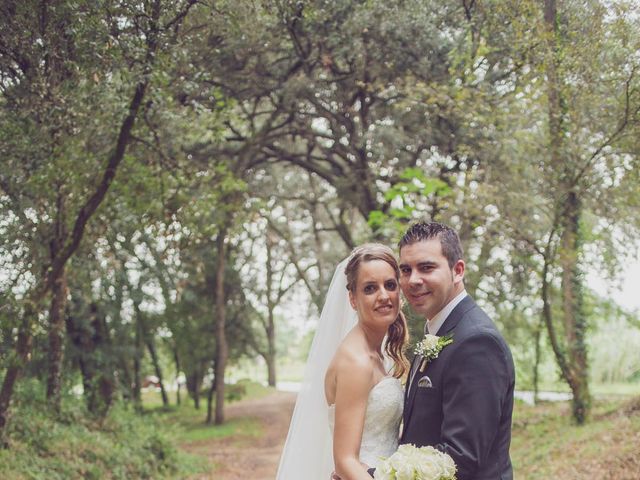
458	271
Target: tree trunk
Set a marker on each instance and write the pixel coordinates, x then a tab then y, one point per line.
126	383
92	348
121	337
56	311
196	398
144	336
212	389
271	356
573	364
270	327
193	387
137	364
176	359
573	311
80	337
536	362
100	396
15	364
220	335
56	339
156	366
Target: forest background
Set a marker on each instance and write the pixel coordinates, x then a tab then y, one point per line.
178	180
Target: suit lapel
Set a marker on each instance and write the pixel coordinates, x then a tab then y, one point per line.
411	392
447	327
456	315
412	373
406	411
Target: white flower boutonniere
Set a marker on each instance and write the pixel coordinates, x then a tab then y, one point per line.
430	347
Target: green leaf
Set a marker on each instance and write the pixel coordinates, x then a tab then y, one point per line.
376	219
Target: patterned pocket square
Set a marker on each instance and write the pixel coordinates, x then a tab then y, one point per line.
425	382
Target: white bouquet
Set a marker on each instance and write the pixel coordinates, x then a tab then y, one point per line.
413	463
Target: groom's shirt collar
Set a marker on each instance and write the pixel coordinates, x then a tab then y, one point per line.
433	325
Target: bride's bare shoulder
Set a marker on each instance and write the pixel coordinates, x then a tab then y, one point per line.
351	359
352	368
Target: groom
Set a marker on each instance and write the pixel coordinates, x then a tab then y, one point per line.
460	402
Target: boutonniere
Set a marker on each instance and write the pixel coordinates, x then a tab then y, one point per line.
430	347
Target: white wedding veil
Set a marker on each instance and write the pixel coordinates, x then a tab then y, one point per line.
308	451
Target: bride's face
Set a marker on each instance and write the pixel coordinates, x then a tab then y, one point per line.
376	296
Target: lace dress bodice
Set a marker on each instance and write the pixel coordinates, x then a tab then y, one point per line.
381	421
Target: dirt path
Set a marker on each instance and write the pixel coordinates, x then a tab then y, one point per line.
235	458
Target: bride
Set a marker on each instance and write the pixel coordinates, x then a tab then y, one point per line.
348	411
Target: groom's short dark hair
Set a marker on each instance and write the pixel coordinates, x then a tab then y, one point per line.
449	240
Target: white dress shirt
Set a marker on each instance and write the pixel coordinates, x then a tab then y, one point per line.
433	325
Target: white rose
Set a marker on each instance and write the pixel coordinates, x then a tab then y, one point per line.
413	456
406	449
384	472
405	472
398	460
430	341
448	466
429	451
428	470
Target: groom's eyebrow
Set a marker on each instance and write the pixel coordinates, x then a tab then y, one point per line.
427	263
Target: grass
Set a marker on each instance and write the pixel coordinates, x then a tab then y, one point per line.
547	444
619	389
291	371
188	424
597	389
245	427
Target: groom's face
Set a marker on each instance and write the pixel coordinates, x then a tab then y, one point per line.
426	279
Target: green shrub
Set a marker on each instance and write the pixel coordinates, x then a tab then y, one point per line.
235	392
76	445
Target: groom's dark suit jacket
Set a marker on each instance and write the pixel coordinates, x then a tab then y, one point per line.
464	407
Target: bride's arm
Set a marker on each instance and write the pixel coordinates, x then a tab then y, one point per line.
353	383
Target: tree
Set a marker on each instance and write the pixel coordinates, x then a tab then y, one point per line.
581	161
574	165
45	86
270	277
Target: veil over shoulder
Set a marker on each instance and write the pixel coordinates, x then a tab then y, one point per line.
307	453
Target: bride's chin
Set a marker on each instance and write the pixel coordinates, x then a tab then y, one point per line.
390	319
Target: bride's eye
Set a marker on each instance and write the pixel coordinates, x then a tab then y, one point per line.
369	289
391	285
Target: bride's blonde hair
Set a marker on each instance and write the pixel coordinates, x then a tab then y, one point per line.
397	334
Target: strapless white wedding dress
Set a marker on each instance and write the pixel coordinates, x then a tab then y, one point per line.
381	421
